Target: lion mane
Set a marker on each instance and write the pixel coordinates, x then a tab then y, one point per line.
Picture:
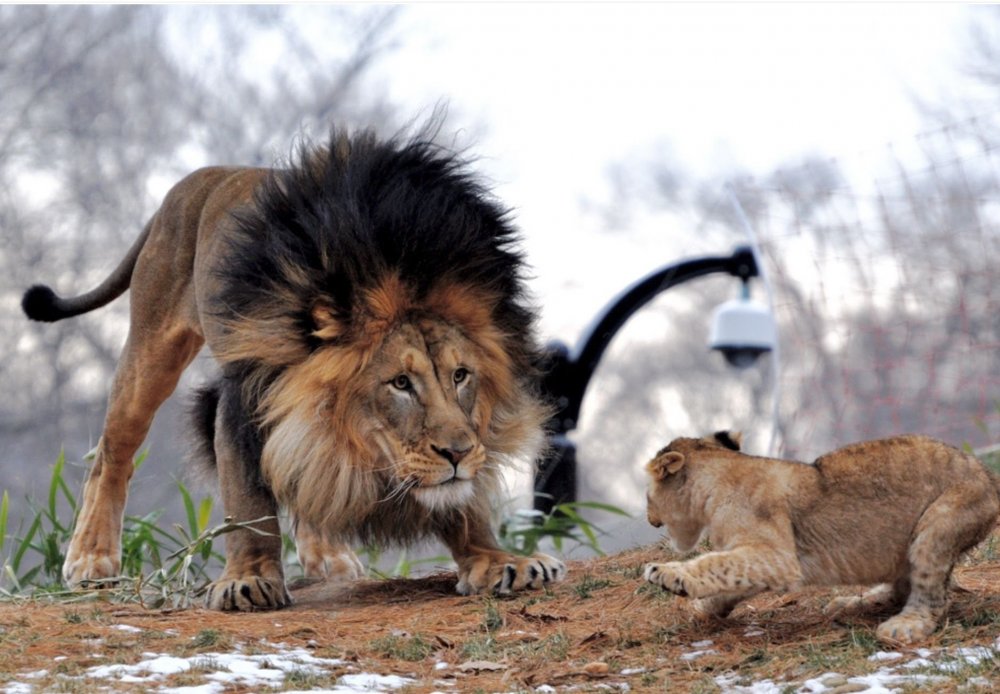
336	251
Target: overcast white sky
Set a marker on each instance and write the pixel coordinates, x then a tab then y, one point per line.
556	92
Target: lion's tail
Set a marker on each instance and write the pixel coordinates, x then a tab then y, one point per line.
202	414
42	304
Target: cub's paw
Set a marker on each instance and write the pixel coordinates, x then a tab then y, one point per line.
874	598
905	629
504	573
247	594
717	606
670	576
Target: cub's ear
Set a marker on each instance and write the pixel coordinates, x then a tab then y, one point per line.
665	464
327	325
729	439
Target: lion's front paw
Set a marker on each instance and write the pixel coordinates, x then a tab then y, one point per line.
905	629
247	594
504	573
670	576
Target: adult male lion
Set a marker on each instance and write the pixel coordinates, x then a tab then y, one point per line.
367	310
897	513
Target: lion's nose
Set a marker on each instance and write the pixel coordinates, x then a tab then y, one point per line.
452	454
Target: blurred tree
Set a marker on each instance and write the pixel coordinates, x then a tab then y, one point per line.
103	108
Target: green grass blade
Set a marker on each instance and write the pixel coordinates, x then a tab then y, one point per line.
26	542
596	505
189	511
204	513
57	472
140	459
4	506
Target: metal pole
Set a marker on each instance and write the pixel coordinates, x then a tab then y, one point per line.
567	374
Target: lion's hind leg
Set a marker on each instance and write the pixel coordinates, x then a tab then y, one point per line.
321	558
956	521
147	374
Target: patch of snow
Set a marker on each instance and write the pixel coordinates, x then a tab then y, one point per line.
885	655
35	674
885	680
702	644
213	688
370	683
693	655
16	688
127	627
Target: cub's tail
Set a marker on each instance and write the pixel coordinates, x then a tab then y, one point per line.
42	304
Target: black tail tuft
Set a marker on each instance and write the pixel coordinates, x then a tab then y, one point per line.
42	304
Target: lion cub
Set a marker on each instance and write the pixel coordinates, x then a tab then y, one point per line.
895	513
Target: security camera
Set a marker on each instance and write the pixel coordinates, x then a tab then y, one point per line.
742	330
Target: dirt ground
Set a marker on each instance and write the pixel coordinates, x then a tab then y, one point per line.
601	628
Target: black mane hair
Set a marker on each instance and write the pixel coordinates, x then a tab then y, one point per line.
336	223
348	215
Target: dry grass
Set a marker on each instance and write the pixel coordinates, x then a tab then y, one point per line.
581	634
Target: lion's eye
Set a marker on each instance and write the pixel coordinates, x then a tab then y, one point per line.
402	382
460	375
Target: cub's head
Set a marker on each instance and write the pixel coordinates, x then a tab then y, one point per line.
676	486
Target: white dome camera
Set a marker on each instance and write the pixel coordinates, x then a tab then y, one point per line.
742	330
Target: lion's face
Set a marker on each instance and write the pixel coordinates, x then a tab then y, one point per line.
425	384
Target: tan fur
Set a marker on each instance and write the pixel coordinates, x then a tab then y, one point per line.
346	453
894	513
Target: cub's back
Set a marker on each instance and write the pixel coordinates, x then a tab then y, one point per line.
868	502
910	466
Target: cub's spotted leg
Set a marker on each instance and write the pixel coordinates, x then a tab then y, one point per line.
150	366
482	565
252	578
321	558
956	521
726	578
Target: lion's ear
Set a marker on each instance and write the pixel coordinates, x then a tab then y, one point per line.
732	440
665	464
327	325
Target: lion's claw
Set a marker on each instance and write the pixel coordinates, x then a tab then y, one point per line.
247	594
504	574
